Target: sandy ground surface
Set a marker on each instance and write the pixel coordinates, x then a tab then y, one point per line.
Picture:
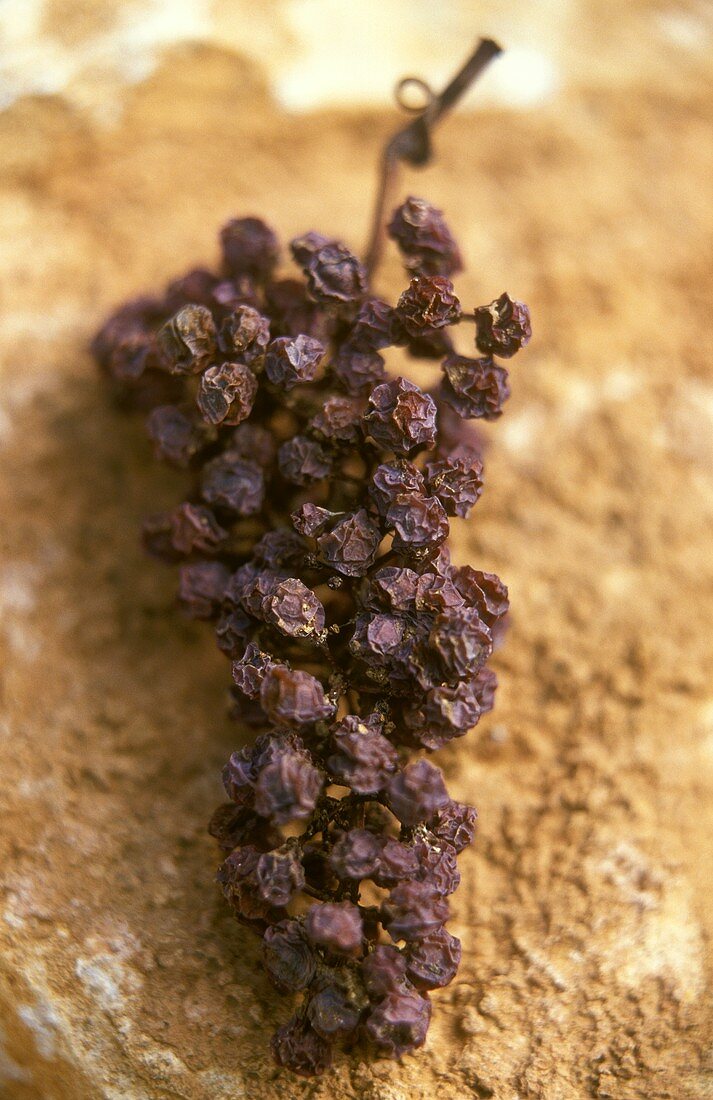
585	906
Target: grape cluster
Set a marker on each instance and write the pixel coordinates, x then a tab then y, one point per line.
314	538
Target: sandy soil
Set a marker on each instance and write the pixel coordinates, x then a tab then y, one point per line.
585	907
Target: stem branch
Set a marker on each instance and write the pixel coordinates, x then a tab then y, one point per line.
413	142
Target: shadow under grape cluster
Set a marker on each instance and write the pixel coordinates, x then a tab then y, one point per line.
313	536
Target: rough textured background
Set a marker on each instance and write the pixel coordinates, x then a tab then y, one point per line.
585	906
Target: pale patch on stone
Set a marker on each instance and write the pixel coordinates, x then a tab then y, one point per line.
691	30
666	940
34	61
103	970
520	433
18	582
43	1021
10	1070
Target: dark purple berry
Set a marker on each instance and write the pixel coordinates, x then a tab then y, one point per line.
194	528
334	1010
503	327
398	1023
249	248
336	926
279	876
338	421
334	274
400	417
293	697
188	340
176	435
289	958
226	393
358	369
299	1048
244	335
303	461
234	484
419	522
424	238
384	971
457	482
249	672
294	609
413	910
417	792
355	855
350	546
455	824
475	388
291	360
201	587
432	963
392	479
288	786
428	303
362	757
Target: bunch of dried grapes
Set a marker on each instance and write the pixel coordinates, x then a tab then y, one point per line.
313	537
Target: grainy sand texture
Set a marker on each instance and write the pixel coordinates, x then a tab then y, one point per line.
580	182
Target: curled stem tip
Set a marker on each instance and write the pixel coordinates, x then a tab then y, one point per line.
412	143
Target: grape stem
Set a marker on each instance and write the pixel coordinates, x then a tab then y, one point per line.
412	143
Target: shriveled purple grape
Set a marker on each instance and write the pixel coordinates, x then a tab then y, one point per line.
437	864
425	241
338	421
358	368
294	609
355	855
235	484
334	1010
187	342
226	393
200	588
287	788
393	479
244	335
433	962
398	1023
350	546
334	274
419	522
303	461
475	388
291	360
457	482
400	417
176	435
249	247
428	303
417	792
335	926
362	757
279	876
413	910
293	697
503	327
194	529
289	958
250	670
384	971
299	1048
455	824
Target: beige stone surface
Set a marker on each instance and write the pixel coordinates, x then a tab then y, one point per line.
585	904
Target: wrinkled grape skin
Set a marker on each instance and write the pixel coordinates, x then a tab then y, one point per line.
320	493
